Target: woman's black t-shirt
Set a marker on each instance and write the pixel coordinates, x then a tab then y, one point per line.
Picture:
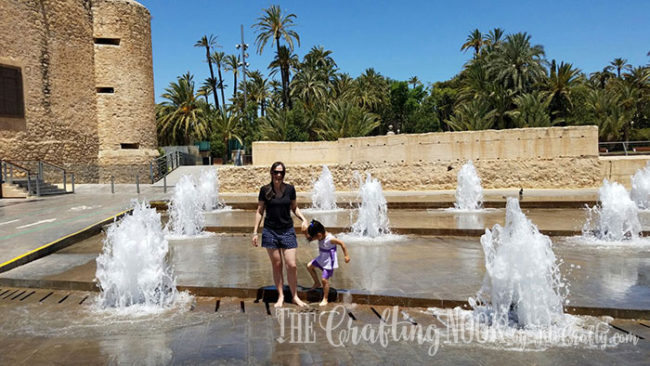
278	208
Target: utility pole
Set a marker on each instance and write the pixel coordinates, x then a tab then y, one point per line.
243	63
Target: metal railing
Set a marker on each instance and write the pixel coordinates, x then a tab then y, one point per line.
35	173
162	166
624	148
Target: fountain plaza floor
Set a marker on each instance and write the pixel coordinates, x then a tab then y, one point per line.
242	331
245	332
445	268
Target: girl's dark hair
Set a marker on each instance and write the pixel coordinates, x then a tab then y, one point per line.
315	227
269	193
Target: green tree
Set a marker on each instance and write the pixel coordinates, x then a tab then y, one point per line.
232	64
309	88
218	58
619	64
532	110
208	43
272	26
182	116
474	40
516	64
228	125
472	116
345	119
562	79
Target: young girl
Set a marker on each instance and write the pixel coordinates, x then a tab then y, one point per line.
326	260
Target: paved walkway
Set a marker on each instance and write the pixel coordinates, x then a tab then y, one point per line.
28	224
43	327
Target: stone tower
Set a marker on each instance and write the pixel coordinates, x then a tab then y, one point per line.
76	86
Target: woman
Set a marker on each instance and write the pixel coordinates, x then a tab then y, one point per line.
278	199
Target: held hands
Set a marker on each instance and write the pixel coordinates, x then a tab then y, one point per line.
255	240
303	226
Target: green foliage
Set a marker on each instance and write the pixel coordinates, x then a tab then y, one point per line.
507	83
532	110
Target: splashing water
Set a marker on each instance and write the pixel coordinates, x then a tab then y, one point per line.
522	284
469	193
640	192
186	209
323	195
132	268
616	218
208	190
372	220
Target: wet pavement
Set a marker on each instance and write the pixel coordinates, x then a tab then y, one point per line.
409	220
449	268
242	332
27	224
30	223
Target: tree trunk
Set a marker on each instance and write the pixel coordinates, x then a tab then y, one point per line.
234	92
282	76
212	80
223	97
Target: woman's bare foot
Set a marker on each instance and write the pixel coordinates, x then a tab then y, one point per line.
298	302
323	303
279	303
315	286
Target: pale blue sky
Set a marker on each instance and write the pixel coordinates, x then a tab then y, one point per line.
400	39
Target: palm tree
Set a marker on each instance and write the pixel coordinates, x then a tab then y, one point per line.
560	82
284	62
474	40
307	86
232	64
182	116
516	64
619	64
275	125
341	86
258	90
218	59
601	77
272	26
228	124
532	110
605	109
208	43
493	38
472	116
345	119
413	80
205	89
319	58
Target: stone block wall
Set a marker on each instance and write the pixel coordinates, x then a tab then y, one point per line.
567	173
51	42
66	121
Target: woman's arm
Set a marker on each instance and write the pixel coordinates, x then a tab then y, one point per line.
258	219
345	249
296	211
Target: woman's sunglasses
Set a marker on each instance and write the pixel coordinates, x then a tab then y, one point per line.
278	172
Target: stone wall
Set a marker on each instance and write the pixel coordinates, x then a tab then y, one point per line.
525	143
515	173
51	41
125	116
621	168
66	123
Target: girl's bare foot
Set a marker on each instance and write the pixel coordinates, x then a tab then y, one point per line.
323	303
298	302
315	286
279	303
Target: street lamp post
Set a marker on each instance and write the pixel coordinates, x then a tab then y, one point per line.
243	46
